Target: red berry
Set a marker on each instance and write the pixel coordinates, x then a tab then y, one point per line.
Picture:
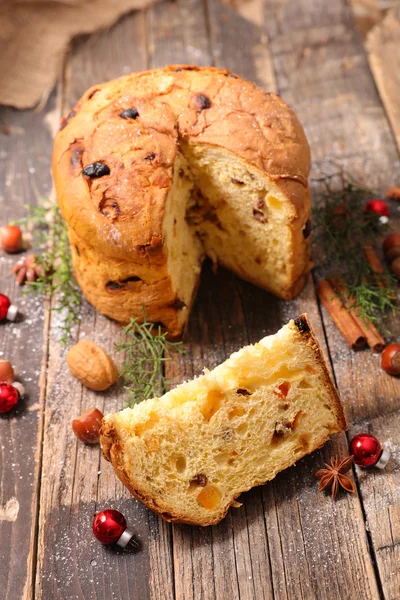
9	397
11	238
377	206
109	525
390	359
366	449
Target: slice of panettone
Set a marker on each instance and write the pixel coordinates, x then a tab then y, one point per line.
189	454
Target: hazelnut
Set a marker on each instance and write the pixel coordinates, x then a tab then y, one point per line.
6	372
391	246
395	267
92	366
87	426
390	359
11	238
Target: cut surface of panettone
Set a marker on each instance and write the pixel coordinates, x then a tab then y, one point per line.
156	170
189	454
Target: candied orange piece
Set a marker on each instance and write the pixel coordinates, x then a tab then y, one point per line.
209	497
237	411
212	403
282	390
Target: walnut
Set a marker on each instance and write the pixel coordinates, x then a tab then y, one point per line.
91	365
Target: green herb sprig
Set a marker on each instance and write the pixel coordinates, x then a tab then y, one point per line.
50	238
341	227
146	350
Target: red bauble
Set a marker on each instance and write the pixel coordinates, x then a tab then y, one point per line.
367	451
377	206
109	527
9	396
7	310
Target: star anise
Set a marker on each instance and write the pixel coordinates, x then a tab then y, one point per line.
334	476
26	269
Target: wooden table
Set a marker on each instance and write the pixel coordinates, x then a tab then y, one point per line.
287	541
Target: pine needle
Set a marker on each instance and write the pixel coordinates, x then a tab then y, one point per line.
146	350
50	237
341	228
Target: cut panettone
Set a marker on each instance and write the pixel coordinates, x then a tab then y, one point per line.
189	454
156	170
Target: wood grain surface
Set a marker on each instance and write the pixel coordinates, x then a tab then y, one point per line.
25	141
384	57
287	541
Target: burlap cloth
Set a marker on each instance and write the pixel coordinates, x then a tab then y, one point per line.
34	37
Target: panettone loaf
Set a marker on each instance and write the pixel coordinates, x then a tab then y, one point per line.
155	170
189	454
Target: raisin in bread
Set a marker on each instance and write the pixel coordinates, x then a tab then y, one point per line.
189	454
156	170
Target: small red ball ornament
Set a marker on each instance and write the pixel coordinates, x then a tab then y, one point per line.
7	310
367	451
110	527
377	206
9	396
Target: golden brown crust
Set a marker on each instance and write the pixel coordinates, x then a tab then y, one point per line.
123	211
304	327
120	216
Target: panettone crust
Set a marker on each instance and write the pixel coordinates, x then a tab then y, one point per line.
120	215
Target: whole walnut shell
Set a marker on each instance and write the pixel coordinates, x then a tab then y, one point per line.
92	366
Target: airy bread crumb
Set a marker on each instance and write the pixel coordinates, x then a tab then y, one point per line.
189	454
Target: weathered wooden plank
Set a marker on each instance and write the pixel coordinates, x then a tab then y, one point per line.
323	72
177	33
384	58
238	43
24	176
76	481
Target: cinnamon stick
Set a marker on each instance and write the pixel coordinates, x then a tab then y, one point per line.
340	316
376	266
372	335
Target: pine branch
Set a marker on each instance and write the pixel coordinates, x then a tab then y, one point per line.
341	227
146	350
50	235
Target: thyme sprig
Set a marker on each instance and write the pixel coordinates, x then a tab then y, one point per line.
341	228
146	349
50	239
